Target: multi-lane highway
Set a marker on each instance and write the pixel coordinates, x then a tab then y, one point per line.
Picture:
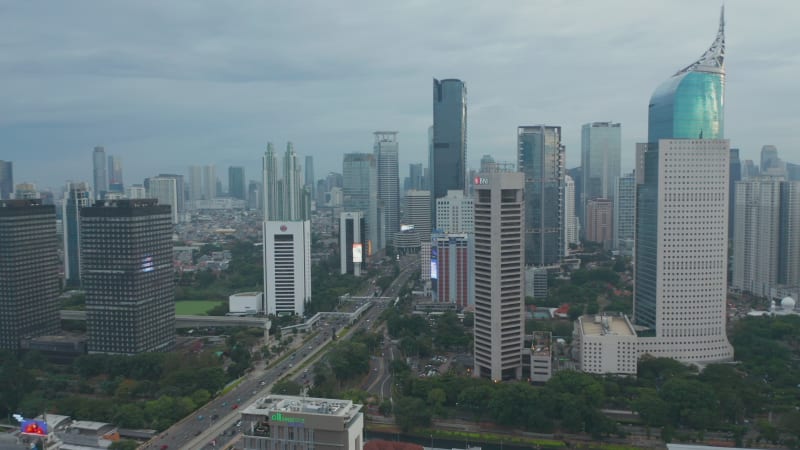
214	425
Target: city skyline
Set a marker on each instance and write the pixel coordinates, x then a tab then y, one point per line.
122	94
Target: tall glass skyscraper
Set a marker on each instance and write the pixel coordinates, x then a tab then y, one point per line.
360	177
601	147
6	179
541	157
386	154
100	176
682	216
448	149
236	187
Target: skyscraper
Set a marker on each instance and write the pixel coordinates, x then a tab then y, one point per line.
601	148
788	260
179	188
28	272
292	185
625	214
209	182
541	159
76	197
448	152
455	213
570	220
135	191
165	190
386	150
417	213
269	168
115	183
287	266
499	273
360	179
126	257
310	181
195	184
734	175
415	176
599	221
682	216
100	176
236	187
769	158
351	242
6	179
451	268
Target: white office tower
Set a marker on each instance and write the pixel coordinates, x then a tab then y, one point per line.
570	220
195	183
165	190
351	242
624	214
209	182
287	266
499	275
766	235
386	154
455	213
136	191
417	212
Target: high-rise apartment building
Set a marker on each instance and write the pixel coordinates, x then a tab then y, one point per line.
386	154
135	191
255	201
682	217
360	190
766	235
769	159
455	213
451	268
26	191
115	183
236	187
499	274
734	175
541	159
100	178
570	220
126	261
599	221
601	147
29	279
415	177
448	146
165	190
209	182
749	169
179	188
6	179
287	266
76	197
351	242
625	214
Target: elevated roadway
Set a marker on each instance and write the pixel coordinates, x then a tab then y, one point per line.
192	321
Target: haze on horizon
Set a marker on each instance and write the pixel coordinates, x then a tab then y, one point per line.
169	84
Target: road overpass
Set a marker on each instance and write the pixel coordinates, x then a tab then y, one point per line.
193	321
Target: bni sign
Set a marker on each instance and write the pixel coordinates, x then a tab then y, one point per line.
480	180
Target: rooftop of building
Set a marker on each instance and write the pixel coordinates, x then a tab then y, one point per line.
541	343
246	294
303	405
606	326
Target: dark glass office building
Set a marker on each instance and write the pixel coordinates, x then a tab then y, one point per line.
6	179
541	158
126	262
448	152
29	279
236	187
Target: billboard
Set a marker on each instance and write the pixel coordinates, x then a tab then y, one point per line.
406	227
147	264
33	427
357	254
434	263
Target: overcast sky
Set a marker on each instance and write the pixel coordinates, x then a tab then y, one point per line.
166	84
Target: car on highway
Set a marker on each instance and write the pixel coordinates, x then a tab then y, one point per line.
235	407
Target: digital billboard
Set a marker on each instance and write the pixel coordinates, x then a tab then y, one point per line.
147	264
434	263
33	427
357	253
406	227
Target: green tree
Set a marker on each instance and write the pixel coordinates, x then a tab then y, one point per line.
286	387
124	444
410	413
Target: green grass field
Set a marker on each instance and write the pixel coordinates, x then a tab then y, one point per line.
195	307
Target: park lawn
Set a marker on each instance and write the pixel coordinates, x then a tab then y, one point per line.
195	307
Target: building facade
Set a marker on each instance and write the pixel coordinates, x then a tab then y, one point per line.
606	345
280	422
570	219
29	279
126	271
599	221
236	185
499	275
386	153
541	158
287	266
448	146
6	179
682	217
351	242
455	213
115	183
